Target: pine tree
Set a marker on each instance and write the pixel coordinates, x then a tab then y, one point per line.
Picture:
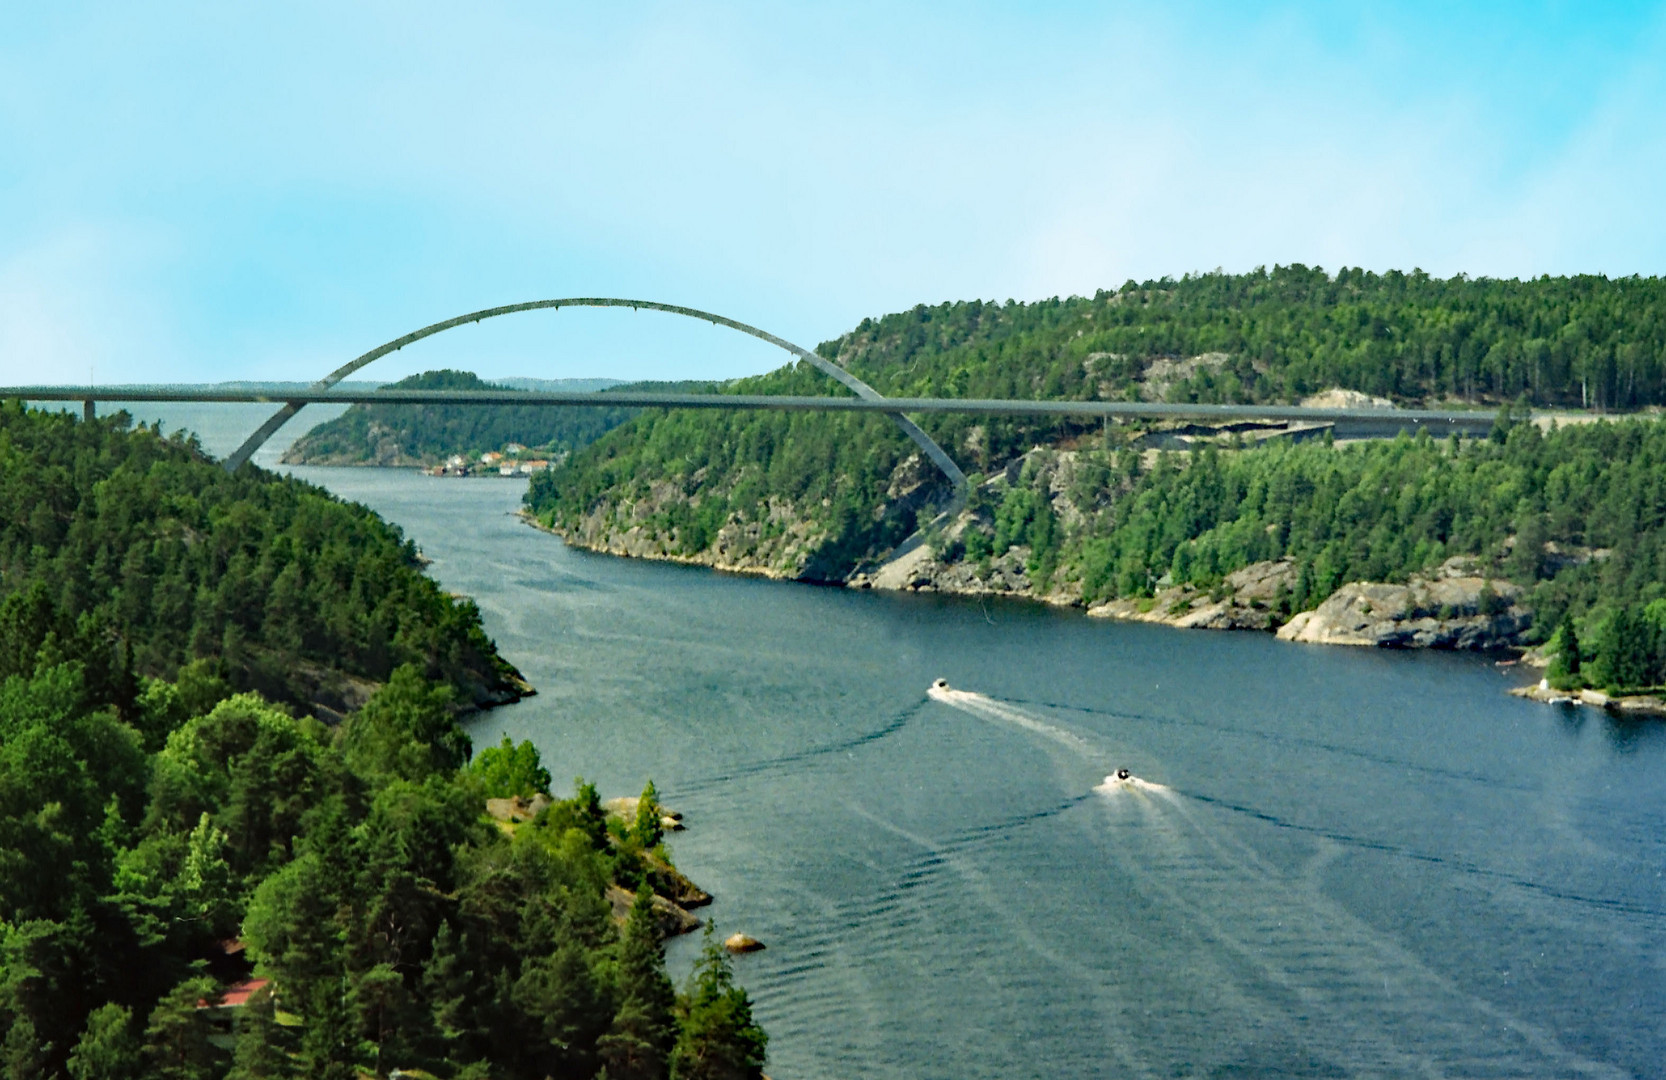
638	1045
446	980
176	1038
263	1044
1564	665
646	830
717	1038
108	1048
24	1055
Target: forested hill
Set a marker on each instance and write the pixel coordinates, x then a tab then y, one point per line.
197	884
404	435
811	495
1282	334
140	556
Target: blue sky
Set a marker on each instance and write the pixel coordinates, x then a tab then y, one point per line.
215	191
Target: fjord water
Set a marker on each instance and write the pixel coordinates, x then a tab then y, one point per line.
1335	862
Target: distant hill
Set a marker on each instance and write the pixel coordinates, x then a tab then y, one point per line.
577	386
422	435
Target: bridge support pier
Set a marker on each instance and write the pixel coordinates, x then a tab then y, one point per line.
88	411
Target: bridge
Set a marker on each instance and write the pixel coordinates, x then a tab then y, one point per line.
867	399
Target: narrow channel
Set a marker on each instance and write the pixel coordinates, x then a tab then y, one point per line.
1333	862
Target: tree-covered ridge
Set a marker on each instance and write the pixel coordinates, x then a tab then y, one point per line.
394	926
138	555
429	434
1267	336
683	474
162	839
1536	505
1289	332
1577	516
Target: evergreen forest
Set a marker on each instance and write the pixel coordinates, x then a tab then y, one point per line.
1370	512
172	835
140	556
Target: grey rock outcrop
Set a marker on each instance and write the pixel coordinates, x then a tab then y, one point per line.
517	809
672	919
1634	704
1454	608
1247	601
742	943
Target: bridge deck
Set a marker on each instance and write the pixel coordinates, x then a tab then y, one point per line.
1467	422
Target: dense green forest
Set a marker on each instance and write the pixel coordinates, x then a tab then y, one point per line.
1369	513
141	556
1286	333
428	434
394	924
1577	516
163	836
1269	336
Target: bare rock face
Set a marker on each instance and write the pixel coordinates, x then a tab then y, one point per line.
1337	398
624	808
673	884
1449	609
672	920
517	809
1245	602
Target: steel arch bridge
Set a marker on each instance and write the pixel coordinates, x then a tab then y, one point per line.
925	442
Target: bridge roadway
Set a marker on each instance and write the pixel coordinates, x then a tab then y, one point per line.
1438	422
1357	422
867	399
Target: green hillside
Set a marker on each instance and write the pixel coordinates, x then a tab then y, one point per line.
1287	333
813	496
164	838
1260	337
428	434
141	556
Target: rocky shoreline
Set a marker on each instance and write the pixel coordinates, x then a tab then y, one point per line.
675	896
1624	704
1458	605
1455	606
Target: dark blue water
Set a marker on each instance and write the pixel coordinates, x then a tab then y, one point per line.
1341	862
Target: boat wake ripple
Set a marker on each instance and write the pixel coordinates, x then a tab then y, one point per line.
705	783
1259	951
1269	736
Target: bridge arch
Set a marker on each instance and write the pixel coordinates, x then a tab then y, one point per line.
925	442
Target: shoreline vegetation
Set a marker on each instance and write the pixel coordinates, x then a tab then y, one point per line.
1494	543
242	834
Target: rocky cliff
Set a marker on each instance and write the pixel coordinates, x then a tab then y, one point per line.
779	542
1454	608
777	538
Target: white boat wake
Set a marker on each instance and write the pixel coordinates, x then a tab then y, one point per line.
1253	955
1000	712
